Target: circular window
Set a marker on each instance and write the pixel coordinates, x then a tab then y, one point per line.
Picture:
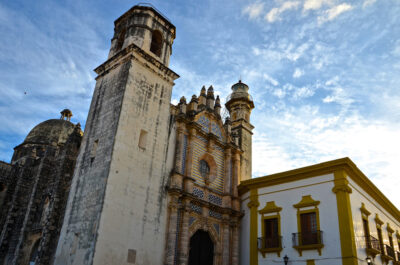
204	169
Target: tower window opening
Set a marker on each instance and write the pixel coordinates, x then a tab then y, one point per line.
121	39
156	43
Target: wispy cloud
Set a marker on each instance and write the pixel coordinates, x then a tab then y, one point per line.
333	12
254	10
368	3
315	4
274	13
298	73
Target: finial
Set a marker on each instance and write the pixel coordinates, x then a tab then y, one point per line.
66	114
194	99
218	102
182	100
203	91
210	92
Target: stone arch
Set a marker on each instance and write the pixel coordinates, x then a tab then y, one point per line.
203	224
213	167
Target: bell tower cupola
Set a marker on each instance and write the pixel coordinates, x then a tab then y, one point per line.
147	28
240	104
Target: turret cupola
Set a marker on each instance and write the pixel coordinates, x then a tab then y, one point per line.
239	102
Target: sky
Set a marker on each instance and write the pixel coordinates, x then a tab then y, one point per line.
324	74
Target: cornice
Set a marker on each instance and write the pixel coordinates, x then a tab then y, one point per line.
128	53
322	169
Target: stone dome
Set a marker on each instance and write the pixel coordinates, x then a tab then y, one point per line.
50	131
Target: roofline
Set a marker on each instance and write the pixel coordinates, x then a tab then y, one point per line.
145	6
328	167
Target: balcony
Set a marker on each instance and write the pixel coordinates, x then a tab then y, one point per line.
307	241
388	254
372	246
270	245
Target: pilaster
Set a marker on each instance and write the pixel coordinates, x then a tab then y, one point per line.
346	229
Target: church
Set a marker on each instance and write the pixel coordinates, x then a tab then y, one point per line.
150	182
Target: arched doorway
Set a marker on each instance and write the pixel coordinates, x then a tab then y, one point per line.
201	249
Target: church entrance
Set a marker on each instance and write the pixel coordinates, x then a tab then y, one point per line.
201	249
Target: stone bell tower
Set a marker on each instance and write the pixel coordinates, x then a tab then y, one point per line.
239	105
116	211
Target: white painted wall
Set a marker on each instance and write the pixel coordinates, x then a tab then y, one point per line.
357	197
285	195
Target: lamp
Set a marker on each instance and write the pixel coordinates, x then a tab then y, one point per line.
369	260
286	259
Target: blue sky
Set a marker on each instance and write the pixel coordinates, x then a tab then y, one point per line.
324	74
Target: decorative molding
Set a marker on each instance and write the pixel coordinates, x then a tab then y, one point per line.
306	201
364	210
270	207
389	229
378	220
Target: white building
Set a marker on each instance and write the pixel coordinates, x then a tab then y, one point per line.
324	214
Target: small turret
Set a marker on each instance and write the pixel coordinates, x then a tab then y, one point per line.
210	98
193	104
240	105
182	105
202	97
217	106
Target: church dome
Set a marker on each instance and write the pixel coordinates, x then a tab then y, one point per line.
50	131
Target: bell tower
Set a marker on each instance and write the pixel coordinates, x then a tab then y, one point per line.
116	211
240	105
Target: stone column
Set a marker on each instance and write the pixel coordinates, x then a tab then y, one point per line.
235	244
226	244
179	149
235	173
173	227
228	173
184	236
189	155
177	176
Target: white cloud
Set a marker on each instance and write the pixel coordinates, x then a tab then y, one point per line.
315	4
303	92
254	10
333	12
270	79
298	72
275	12
368	3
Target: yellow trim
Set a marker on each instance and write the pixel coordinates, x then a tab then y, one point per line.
346	229
270	207
389	229
253	205
364	210
310	262
323	169
378	220
307	201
